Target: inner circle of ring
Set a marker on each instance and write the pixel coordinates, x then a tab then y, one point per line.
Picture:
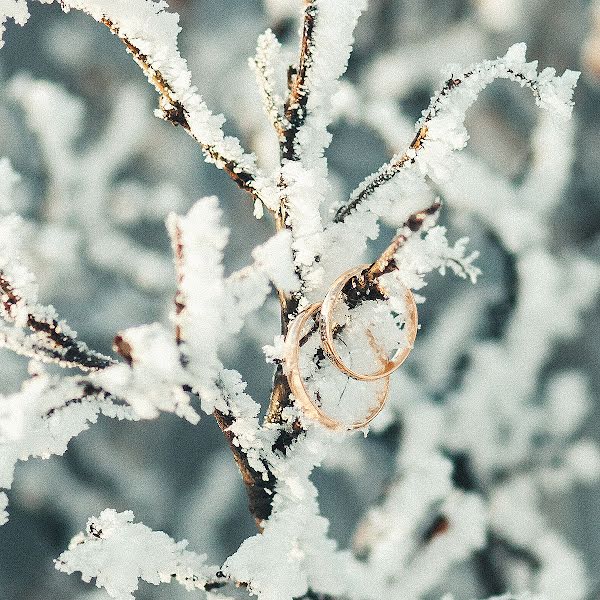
326	329
296	382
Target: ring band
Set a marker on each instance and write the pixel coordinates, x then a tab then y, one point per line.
326	329
292	371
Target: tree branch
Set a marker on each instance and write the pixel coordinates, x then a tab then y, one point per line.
260	486
295	106
175	112
59	346
388	171
260	489
383	175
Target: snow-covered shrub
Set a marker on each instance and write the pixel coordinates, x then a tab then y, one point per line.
482	446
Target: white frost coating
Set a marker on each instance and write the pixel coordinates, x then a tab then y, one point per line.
422	254
12	9
445	117
203	320
249	288
495	428
274	257
153	382
303	196
12	237
213	308
333	36
269	68
118	553
154	31
306	181
21	292
294	552
42	418
248	434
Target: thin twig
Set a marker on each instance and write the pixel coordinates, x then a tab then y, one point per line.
175	113
364	285
259	487
384	175
387	172
296	104
88	390
60	347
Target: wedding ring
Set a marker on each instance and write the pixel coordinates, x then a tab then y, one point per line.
296	382
327	324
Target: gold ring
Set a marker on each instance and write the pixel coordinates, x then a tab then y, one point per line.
326	329
292	371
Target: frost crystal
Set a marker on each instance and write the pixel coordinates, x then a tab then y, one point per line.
118	553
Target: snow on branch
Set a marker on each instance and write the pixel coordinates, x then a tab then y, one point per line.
119	553
431	251
327	38
51	340
265	64
152	380
42	418
326	43
210	307
149	33
441	130
202	302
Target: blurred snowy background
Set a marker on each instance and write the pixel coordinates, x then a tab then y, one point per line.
99	173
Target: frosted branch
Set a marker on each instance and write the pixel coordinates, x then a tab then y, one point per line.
441	130
327	38
150	33
264	65
52	340
119	553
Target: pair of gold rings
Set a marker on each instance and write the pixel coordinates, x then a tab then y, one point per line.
326	330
